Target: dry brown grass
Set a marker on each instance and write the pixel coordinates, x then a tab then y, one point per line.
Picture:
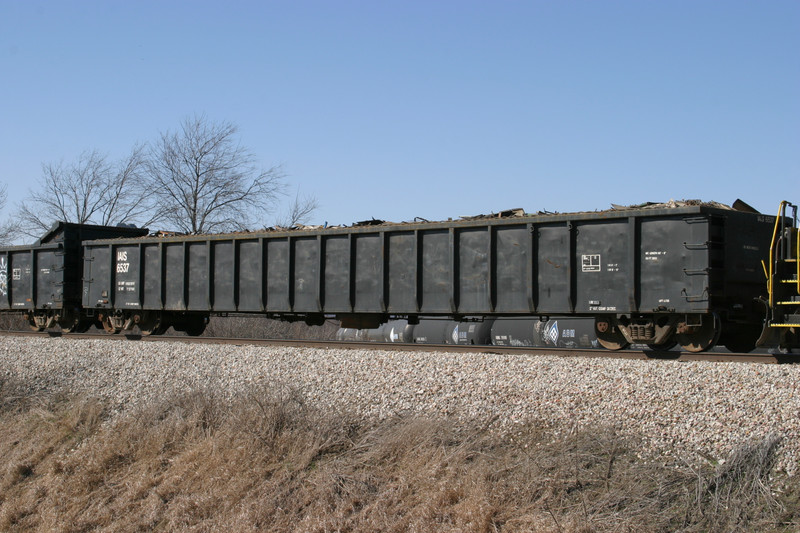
268	462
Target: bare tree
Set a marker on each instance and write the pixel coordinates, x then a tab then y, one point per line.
8	228
299	212
89	190
203	180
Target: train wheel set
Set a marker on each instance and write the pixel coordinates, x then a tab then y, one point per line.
140	323
691	274
693	333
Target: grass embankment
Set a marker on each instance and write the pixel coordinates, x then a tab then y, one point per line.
269	462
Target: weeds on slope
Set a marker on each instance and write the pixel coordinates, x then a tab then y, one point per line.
268	461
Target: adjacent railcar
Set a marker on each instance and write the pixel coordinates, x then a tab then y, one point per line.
43	281
561	332
688	274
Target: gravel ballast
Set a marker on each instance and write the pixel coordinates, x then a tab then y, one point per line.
677	407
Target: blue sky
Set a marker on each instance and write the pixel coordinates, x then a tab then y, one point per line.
433	109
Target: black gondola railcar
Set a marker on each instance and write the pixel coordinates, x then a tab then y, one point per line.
657	275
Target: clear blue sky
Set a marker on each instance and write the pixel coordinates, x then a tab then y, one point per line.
398	109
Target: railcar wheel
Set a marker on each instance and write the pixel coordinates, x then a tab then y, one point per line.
742	339
70	322
613	345
35	325
740	346
68	326
153	324
702	337
609	337
195	328
192	325
109	326
150	324
83	326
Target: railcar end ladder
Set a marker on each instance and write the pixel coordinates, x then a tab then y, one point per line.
783	272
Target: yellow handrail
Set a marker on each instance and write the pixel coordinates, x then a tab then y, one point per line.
797	253
773	243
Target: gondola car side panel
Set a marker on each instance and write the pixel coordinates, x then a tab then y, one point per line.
402	272
604	271
306	275
512	265
336	258
249	261
97	277
5	281
674	259
153	276
473	270
198	297
175	276
368	273
436	273
127	273
21	266
224	293
278	275
554	268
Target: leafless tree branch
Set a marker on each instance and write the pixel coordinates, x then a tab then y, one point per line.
9	227
202	180
299	212
91	190
196	179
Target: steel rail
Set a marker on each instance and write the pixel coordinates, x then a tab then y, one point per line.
453	348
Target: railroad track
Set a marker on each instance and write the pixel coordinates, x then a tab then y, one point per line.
760	357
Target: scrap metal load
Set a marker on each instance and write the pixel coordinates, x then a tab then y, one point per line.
684	272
